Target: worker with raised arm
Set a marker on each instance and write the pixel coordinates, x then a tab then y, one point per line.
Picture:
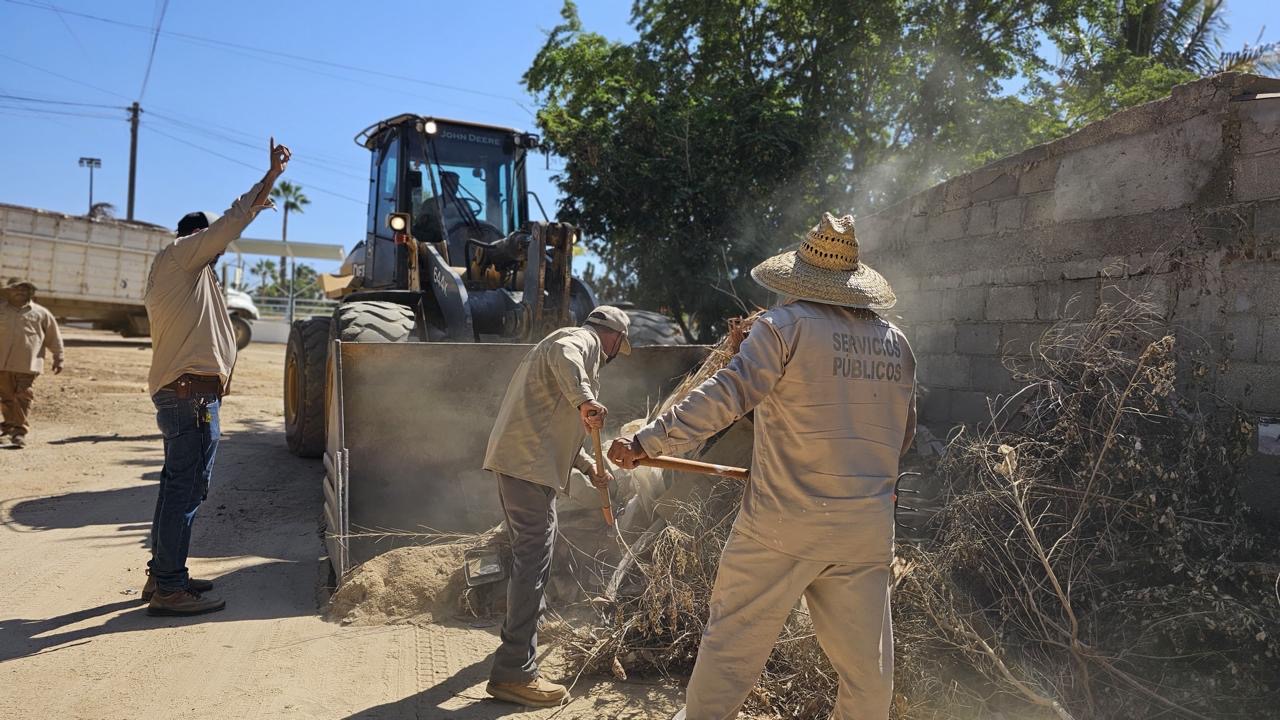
192	357
832	384
27	332
551	403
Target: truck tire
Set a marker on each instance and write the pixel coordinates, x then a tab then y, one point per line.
306	360
375	321
243	331
651	328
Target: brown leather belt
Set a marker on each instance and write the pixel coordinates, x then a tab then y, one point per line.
189	386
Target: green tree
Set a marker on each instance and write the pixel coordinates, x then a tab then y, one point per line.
721	132
291	199
265	270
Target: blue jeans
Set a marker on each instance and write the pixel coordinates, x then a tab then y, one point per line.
190	429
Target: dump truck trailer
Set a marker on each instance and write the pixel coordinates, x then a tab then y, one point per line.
94	270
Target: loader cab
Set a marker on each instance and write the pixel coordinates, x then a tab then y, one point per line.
460	182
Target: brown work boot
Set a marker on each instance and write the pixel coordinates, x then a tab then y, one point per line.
183	602
193	584
534	693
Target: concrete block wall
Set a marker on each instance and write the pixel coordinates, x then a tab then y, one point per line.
1179	198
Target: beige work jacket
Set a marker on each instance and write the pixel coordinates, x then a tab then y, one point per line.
190	328
538	433
26	333
833	392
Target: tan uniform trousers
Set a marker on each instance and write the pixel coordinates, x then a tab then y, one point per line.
756	589
15	401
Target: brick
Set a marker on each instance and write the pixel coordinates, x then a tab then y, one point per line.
978	339
947	226
1038	177
982	219
934	404
1038	210
1259	126
1009	214
970	407
963	304
1270	346
1016	339
1254	386
1015	302
991	376
1001	186
1240	338
1254	177
943	370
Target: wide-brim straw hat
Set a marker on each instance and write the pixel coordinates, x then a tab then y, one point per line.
826	269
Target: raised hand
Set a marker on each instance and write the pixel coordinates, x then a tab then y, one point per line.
280	155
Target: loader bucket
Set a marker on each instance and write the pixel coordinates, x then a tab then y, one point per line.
408	425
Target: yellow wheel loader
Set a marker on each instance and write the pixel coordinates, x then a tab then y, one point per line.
398	388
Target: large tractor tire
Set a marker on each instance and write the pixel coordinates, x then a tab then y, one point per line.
306	361
651	328
375	321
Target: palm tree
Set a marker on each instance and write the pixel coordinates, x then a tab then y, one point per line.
290	195
266	271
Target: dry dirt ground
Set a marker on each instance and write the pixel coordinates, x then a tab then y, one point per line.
75	641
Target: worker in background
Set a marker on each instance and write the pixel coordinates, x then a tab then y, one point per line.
551	403
832	385
27	332
193	354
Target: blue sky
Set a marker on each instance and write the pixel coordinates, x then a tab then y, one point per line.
226	97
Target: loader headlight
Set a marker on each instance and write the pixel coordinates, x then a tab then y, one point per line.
398	222
430	127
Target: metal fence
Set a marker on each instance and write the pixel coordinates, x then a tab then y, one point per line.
278	307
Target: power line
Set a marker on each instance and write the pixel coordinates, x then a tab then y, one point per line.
49	101
68	113
276	53
308	160
237	161
155	40
60	75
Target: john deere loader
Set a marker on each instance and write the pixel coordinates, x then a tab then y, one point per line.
398	388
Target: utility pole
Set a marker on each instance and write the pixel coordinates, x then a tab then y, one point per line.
90	163
134	111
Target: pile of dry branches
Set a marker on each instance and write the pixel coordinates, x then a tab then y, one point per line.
1093	559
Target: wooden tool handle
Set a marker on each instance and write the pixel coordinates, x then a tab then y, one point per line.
694	466
605	506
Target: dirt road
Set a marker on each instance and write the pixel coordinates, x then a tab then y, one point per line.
75	641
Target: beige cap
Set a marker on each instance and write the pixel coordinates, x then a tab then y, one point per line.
18	282
608	316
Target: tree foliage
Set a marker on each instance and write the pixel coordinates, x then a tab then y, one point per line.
721	132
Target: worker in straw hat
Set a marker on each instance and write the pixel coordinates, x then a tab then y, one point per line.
832	384
553	399
27	332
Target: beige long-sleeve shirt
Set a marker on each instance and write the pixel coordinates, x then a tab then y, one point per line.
538	433
833	392
26	334
190	329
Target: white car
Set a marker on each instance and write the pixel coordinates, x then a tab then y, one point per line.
243	312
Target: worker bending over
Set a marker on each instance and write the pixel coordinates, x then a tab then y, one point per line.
832	385
550	404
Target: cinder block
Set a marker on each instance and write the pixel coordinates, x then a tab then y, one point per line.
1266	223
1038	177
940	282
917	230
970	407
1255	177
1254	386
1240	339
934	404
982	219
1022	275
978	276
963	304
1038	210
1257	288
991	376
1080	298
993	188
1269	351
1009	214
1049	301
1016	339
947	226
955	193
933	339
978	339
1259	126
1015	302
943	370
1078	269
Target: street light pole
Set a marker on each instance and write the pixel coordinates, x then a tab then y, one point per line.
90	163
